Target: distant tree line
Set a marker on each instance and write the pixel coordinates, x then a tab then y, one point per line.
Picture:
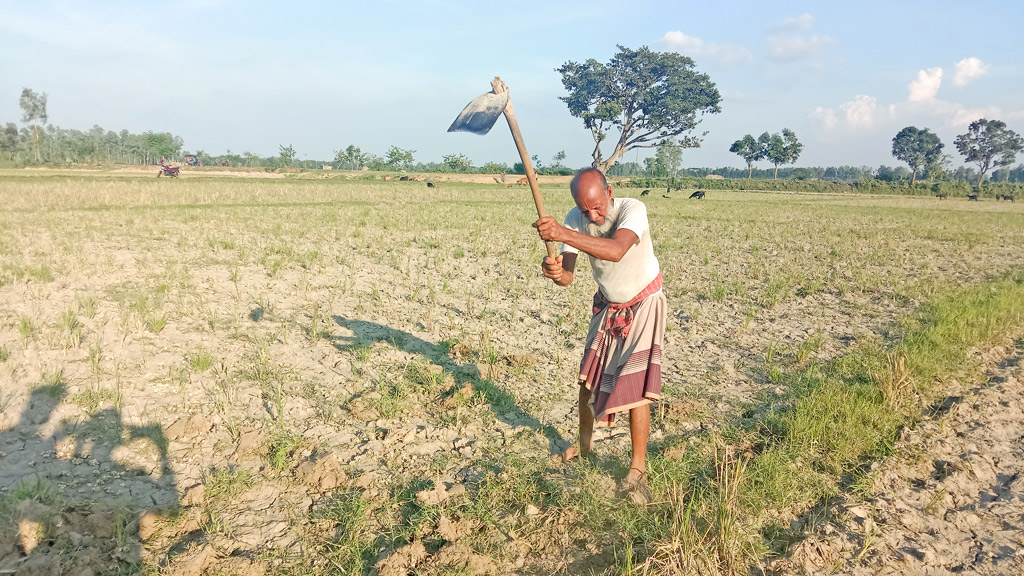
988	144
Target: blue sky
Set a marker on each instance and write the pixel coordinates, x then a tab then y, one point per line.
249	76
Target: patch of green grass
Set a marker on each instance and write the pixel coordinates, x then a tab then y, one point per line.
72	328
222	485
4	354
392	394
280	447
152	432
41	272
199	361
36	489
26	329
349	544
156	323
87	305
54	384
90	400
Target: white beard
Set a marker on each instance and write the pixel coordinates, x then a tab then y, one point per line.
606	230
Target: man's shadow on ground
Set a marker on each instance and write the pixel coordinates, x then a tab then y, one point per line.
55	480
502	404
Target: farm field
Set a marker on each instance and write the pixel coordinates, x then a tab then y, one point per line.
334	376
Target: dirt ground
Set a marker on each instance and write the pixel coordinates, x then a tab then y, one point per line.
164	462
950	502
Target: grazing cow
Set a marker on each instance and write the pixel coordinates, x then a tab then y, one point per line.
403	179
1008	197
431	185
665	196
972	197
645	192
386	178
699	195
941	195
523	181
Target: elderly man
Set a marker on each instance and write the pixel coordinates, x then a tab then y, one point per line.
621	367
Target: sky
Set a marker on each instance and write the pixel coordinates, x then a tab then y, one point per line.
237	76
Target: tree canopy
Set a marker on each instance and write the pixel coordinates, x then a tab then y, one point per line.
780	149
457	162
989	143
749	150
917	148
399	159
647	96
33	109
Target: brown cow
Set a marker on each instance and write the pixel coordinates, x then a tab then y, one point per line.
523	181
386	178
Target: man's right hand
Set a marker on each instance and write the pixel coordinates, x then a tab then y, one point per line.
552	267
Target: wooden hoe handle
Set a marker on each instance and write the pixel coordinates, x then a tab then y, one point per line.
498	86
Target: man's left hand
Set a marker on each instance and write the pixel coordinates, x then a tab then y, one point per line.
549	229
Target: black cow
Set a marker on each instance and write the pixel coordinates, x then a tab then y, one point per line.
972	197
941	195
431	185
699	195
1008	197
403	179
645	192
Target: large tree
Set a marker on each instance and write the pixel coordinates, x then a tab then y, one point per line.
647	96
668	157
457	162
918	148
286	154
781	149
750	150
399	159
33	109
989	143
351	158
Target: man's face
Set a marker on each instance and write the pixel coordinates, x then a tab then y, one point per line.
594	202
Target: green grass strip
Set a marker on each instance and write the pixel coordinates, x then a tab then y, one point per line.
720	507
851	411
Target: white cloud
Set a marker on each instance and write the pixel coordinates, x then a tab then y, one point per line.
860	112
676	41
801	22
926	86
968	69
826	116
791	47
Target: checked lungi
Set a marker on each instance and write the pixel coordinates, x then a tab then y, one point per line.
622	362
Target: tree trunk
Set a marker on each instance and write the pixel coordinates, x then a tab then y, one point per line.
776	172
750	169
913	179
980	178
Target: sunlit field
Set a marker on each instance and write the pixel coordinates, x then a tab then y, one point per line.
335	375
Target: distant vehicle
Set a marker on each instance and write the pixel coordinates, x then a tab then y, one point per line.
192	160
166	170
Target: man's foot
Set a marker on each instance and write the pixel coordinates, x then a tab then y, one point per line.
570	453
634	487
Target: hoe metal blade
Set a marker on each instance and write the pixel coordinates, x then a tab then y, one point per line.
480	115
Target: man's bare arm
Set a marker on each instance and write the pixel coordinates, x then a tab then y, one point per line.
612	249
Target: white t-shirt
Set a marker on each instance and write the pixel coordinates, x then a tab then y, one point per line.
621	281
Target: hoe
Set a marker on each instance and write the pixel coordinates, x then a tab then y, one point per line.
480	115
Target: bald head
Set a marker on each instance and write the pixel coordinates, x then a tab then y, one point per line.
592	195
588	182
